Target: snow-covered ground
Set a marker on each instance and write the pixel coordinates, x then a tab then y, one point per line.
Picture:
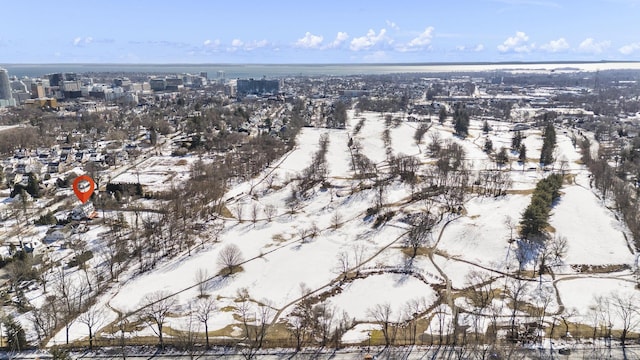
282	257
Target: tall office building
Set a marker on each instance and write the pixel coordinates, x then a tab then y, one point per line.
257	87
5	89
5	85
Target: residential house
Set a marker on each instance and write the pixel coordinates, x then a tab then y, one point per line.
57	234
84	211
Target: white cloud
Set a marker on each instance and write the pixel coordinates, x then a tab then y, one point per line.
255	45
79	41
518	44
392	25
558	45
464	48
237	44
629	49
368	41
309	41
340	38
591	46
212	43
424	39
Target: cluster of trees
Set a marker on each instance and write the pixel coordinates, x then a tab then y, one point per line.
518	145
420	233
450	174
338	117
32	187
21	138
361	165
493	182
548	144
313	323
605	180
460	120
389	104
14	335
535	217
316	172
405	166
70	300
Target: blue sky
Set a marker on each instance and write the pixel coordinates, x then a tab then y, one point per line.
326	31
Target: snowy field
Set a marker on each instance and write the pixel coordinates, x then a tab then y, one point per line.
328	232
158	173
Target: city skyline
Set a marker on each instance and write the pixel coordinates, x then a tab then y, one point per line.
330	32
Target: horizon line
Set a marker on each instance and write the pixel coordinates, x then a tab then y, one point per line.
542	62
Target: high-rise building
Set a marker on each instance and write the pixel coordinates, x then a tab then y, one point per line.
257	87
5	89
5	85
37	90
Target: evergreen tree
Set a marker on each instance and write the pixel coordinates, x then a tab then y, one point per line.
488	146
548	145
522	157
503	156
461	121
535	217
442	115
15	335
33	186
516	141
485	127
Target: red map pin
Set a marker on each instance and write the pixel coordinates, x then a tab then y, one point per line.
83	187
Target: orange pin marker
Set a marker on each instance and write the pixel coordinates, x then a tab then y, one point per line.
83	187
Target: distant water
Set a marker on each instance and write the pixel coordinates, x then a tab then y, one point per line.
284	70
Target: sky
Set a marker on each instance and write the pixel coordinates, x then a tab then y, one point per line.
327	31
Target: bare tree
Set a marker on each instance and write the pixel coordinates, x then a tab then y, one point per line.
269	212
480	285
93	318
413	309
45	318
558	249
336	219
188	338
516	289
358	256
156	306
595	316
255	320
302	319
435	145
239	209
230	257
420	131
202	276
70	296
626	307
203	310
382	313
255	211
344	264
420	233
